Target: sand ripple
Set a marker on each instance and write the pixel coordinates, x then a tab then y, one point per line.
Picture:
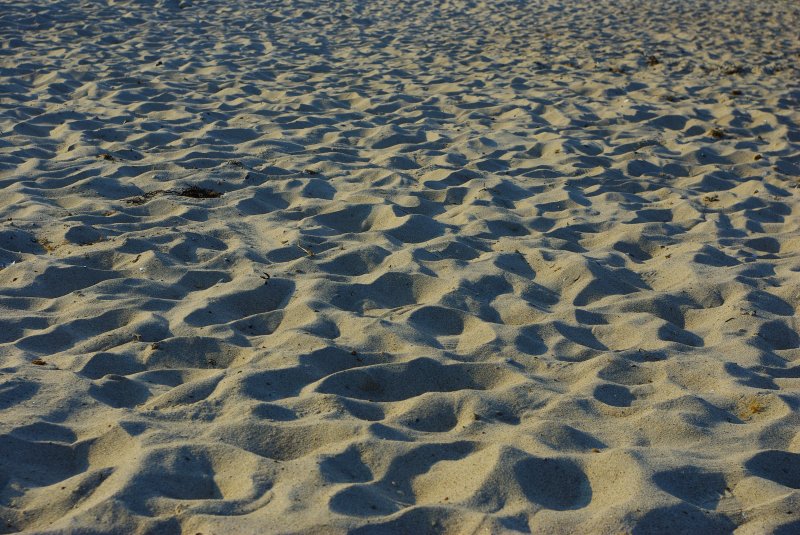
416	267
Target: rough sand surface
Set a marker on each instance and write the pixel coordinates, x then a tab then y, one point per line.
417	267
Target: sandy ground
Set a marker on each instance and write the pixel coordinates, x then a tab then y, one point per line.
417	267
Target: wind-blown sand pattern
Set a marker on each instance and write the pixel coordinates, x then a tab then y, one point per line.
418	267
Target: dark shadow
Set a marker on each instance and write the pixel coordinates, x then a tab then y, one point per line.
614	395
693	485
557	484
782	467
683	519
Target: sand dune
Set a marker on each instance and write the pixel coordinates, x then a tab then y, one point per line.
417	267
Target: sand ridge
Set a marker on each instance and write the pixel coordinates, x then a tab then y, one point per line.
436	267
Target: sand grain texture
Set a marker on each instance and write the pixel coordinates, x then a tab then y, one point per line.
417	267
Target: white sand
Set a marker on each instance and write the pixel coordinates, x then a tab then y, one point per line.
532	267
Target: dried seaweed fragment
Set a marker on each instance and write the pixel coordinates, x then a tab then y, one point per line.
144	197
196	192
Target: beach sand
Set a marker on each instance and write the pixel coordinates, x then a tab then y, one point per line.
419	267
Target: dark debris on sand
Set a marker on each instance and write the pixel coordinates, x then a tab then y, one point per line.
194	192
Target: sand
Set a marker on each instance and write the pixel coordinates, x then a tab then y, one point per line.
417	267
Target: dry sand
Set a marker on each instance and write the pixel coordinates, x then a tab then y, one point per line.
418	267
